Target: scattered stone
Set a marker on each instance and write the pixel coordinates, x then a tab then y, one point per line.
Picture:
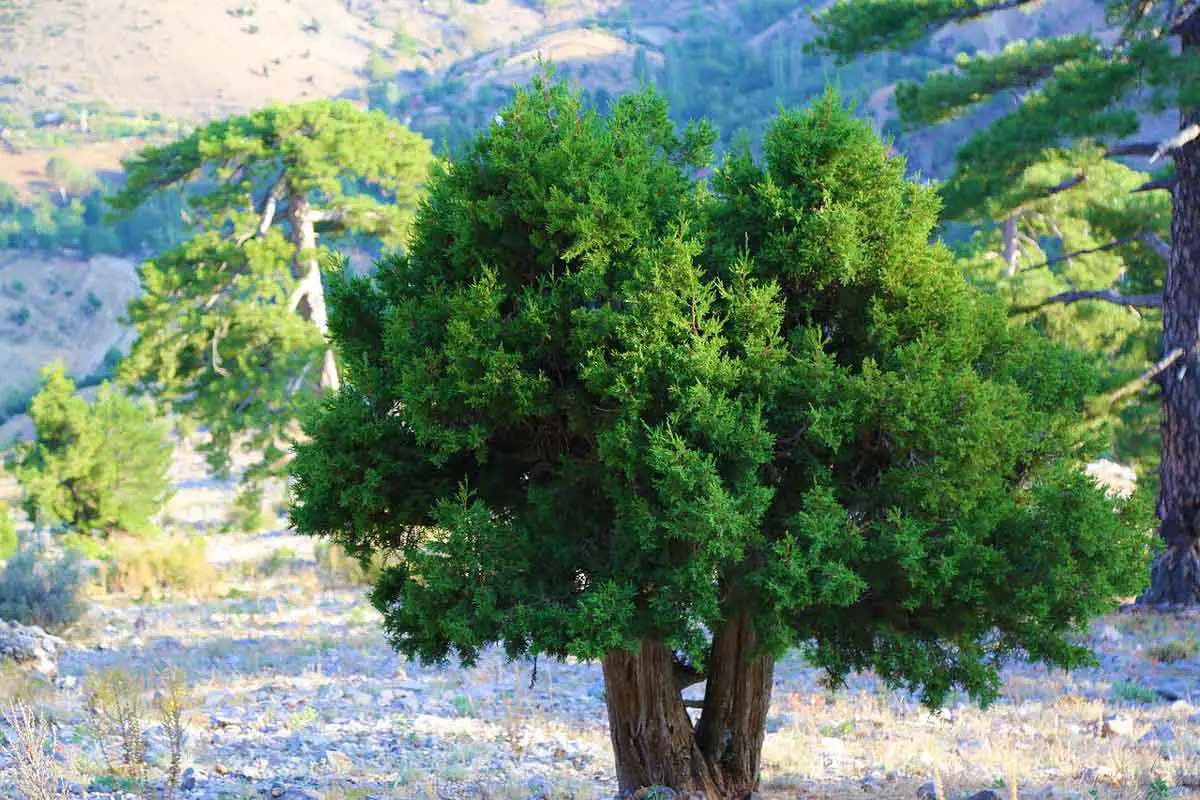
187	781
339	760
31	647
1158	733
1109	633
927	791
1116	725
1100	774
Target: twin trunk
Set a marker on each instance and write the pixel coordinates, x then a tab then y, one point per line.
653	739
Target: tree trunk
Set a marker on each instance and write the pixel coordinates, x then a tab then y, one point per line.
1175	578
652	736
309	297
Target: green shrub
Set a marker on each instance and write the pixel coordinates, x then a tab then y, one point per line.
94	468
8	532
38	590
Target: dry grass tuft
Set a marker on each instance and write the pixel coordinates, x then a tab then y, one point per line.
30	745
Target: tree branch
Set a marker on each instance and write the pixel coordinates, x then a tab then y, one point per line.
978	11
1062	187
1106	295
216	358
1067	256
1158	183
1135	385
1131	149
1177	141
1156	244
266	211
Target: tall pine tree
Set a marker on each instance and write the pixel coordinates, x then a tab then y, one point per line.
231	322
1079	101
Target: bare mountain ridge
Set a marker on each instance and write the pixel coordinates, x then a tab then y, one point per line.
192	60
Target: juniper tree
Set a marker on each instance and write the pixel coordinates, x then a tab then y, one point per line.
231	322
598	409
96	468
1081	97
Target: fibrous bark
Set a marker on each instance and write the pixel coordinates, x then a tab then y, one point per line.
654	741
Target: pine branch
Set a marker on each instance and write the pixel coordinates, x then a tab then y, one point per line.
1177	141
1136	385
979	11
1158	183
1068	256
1069	183
1155	243
1106	295
1131	149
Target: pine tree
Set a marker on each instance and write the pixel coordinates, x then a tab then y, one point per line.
231	322
1080	98
97	468
598	409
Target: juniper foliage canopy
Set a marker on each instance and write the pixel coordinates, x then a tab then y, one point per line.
598	400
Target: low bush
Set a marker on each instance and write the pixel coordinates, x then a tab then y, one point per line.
36	589
159	565
1175	650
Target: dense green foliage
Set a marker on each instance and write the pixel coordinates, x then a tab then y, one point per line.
94	468
227	333
8	532
597	401
38	590
1043	165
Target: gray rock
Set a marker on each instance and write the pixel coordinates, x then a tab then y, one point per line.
986	794
927	791
1161	732
31	647
187	781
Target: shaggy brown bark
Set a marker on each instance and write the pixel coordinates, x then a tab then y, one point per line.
1175	578
653	739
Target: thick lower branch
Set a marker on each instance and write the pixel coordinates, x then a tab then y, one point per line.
1105	295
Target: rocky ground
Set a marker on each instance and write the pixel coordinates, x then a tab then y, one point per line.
295	693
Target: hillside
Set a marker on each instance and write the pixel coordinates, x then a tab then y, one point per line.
88	82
